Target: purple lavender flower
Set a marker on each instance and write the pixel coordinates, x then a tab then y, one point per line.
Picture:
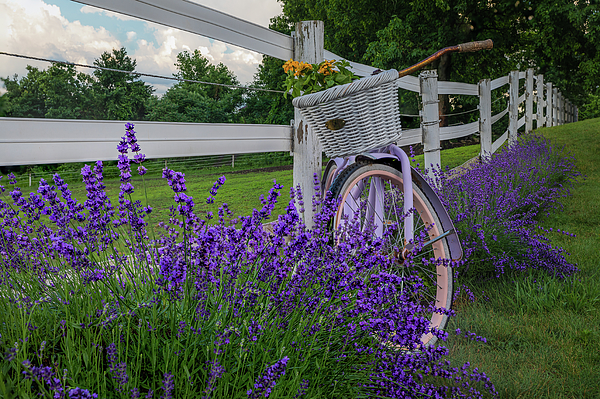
79	393
168	386
267	381
118	370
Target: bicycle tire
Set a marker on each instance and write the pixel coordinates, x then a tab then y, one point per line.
327	178
361	173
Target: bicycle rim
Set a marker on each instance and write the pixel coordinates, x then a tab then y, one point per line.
358	186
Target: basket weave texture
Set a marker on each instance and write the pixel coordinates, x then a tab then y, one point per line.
369	108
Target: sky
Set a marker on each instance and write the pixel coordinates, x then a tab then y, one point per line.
68	31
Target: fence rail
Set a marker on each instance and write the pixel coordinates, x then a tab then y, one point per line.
26	141
30	141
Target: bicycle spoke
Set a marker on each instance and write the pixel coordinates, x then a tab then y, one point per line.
373	195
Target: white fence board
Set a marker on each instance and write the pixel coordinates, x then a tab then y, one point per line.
445	87
39	141
410	137
454	132
406	82
521	122
204	21
358	69
499	115
501	81
498	143
409	83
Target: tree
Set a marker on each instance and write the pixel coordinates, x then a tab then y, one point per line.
397	34
199	102
269	107
565	46
118	95
3	104
58	92
561	39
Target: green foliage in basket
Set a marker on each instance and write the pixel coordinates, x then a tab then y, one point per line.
303	78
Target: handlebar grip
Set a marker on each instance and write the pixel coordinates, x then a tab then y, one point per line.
476	46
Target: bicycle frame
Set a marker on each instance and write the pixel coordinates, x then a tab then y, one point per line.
409	174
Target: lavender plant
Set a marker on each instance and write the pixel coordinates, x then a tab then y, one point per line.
496	206
96	303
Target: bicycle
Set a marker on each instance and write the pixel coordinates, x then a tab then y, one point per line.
372	176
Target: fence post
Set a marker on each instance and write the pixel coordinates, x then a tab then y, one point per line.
308	47
540	102
529	100
485	118
554	106
558	109
561	109
513	106
549	104
430	120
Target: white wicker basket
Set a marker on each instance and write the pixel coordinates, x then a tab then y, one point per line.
365	113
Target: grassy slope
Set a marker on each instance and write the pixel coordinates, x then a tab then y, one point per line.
543	334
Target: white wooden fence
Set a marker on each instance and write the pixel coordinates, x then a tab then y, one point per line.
35	141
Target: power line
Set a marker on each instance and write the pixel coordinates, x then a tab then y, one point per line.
139	73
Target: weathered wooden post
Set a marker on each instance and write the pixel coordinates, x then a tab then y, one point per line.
540	101
554	106
558	108
561	109
529	100
549	105
485	118
308	47
430	120
513	106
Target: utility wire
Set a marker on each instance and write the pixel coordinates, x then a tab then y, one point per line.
139	73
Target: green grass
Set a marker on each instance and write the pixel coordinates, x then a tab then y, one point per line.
543	334
241	191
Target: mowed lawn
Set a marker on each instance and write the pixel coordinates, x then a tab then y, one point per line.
543	334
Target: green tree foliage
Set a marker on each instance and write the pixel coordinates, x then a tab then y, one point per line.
561	39
118	95
198	102
58	92
269	107
565	46
3	104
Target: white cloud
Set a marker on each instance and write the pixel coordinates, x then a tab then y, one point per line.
32	27
95	10
162	60
256	11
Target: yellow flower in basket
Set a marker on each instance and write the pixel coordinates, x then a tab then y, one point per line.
304	78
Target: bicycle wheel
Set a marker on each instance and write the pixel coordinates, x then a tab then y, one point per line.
361	185
327	177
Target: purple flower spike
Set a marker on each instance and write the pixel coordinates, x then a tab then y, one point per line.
168	386
266	382
79	393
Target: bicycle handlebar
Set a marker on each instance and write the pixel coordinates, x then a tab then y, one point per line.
462	48
476	46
